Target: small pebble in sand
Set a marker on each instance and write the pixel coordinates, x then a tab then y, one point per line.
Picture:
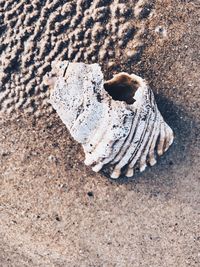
52	158
161	31
90	194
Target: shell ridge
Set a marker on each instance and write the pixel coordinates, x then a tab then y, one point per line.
110	135
136	138
144	140
134	146
129	139
116	146
155	123
144	154
149	118
110	159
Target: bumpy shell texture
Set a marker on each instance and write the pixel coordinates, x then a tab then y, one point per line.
117	122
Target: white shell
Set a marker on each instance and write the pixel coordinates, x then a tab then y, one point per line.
112	132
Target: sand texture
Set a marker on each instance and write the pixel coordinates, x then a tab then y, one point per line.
55	211
34	33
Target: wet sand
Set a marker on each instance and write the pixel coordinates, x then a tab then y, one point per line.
54	211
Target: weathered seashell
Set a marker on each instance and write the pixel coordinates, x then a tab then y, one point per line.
117	121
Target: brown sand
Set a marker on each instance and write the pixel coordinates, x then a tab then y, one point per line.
54	211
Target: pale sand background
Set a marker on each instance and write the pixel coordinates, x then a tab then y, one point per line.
47	217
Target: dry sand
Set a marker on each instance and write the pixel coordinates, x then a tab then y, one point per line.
54	211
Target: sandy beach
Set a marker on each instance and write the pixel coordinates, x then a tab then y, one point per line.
55	211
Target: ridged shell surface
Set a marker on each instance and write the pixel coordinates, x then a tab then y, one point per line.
112	132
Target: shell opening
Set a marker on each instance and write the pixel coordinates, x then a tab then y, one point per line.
122	88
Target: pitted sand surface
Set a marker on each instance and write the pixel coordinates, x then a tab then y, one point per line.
34	33
54	211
